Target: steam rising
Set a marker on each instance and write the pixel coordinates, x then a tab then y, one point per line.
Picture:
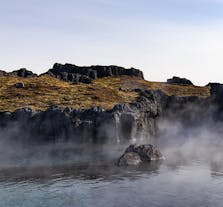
184	136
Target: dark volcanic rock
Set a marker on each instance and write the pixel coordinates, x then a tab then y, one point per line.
216	99
180	81
19	85
23	72
76	74
123	123
2	73
136	154
129	158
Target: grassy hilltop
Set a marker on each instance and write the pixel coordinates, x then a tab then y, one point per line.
44	91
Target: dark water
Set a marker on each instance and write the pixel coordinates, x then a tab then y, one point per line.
65	181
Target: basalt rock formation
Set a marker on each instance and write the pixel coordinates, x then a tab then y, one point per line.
138	154
23	72
76	74
180	81
123	123
131	121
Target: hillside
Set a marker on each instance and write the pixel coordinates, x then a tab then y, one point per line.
45	90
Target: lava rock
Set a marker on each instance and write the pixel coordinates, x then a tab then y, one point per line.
129	158
23	72
87	74
2	73
19	85
136	154
180	81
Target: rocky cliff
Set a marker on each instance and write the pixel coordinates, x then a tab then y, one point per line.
137	105
124	122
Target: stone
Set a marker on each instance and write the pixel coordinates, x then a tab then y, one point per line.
87	74
137	154
180	81
128	159
23	72
19	85
2	73
146	152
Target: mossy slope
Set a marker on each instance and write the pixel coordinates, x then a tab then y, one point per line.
44	91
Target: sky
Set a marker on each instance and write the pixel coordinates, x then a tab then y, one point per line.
163	38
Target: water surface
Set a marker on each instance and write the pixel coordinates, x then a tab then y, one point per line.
97	182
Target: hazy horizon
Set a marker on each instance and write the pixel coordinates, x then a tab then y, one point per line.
161	38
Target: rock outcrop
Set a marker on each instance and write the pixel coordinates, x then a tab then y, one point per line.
180	81
124	122
76	74
137	154
23	72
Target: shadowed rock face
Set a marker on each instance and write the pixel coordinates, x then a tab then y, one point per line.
76	74
123	123
134	122
23	72
216	90
180	81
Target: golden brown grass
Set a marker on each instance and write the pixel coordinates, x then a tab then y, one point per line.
43	91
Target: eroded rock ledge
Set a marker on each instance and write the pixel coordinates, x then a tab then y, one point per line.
124	123
78	74
179	81
23	72
87	74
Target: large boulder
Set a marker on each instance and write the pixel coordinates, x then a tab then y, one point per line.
129	159
19	85
178	80
137	154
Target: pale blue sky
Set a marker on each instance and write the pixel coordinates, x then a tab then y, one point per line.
161	37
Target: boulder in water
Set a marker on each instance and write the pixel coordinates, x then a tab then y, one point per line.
129	158
137	154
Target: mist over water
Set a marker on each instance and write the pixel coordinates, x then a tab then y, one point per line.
60	174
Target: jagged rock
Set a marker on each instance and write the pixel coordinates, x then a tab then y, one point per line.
180	81
216	99
123	122
76	74
2	73
23	72
19	85
128	159
136	154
